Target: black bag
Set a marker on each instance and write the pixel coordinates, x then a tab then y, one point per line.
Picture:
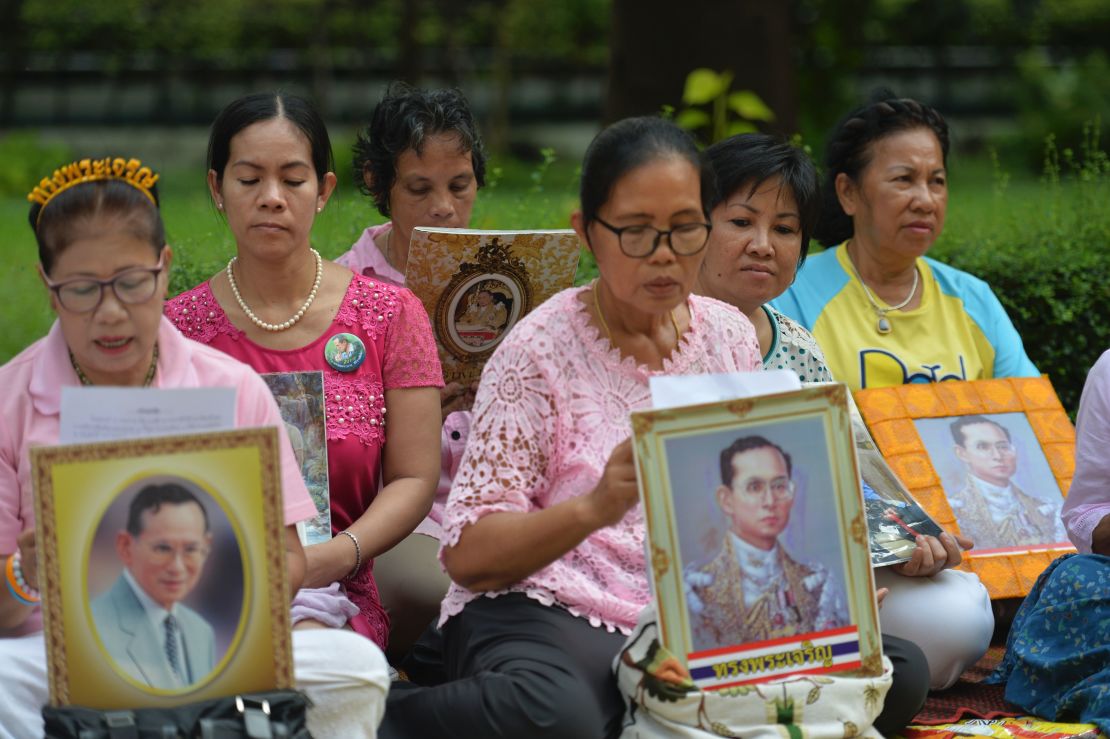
278	714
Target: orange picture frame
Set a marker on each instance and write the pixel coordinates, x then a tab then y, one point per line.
891	413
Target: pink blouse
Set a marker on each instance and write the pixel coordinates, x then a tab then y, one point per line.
400	353
553	402
364	258
31	403
1088	501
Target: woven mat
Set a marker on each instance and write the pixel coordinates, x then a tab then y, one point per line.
969	698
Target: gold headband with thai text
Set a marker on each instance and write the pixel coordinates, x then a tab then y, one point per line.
130	171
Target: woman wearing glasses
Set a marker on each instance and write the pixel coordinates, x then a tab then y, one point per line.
104	260
542	535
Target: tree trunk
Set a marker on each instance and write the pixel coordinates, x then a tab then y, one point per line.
649	59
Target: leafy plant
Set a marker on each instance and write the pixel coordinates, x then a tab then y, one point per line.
713	107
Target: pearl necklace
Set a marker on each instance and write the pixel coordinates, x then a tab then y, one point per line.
882	325
296	317
605	326
146	380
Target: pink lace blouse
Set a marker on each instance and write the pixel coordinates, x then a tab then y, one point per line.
400	353
553	402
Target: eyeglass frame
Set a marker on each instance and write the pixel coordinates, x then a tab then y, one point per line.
768	486
161	558
56	287
658	237
1002	447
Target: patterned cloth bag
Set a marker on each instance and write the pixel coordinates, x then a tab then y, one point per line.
811	706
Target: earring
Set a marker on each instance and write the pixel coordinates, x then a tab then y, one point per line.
219	205
319	208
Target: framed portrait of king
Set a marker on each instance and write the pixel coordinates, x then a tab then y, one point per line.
476	285
758	537
990	459
163	566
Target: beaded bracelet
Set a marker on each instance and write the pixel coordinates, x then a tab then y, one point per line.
358	555
17	585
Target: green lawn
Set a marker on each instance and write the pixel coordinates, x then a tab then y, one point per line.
515	199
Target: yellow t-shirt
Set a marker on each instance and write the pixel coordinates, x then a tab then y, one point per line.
959	332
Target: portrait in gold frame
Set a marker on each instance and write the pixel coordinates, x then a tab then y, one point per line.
894	416
475	286
76	485
680	458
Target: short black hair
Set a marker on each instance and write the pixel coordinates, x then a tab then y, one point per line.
848	151
255	108
631	143
750	159
153	497
71	213
957	427
404	119
746	444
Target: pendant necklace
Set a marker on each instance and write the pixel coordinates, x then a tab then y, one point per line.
882	325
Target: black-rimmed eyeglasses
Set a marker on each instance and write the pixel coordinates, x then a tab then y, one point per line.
84	294
641	241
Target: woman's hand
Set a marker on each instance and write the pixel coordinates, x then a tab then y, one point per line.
329	561
28	553
934	554
1100	537
616	492
880	596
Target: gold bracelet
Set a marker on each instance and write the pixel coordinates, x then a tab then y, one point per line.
358	555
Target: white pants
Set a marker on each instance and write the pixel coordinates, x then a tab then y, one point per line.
948	615
344	674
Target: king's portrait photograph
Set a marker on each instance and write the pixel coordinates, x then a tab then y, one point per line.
758	532
996	479
165	583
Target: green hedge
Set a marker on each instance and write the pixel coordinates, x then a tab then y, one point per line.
1050	265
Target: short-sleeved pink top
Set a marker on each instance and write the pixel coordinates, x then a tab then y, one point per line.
400	353
31	404
553	402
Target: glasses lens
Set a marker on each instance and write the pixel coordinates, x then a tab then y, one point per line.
135	287
636	241
689	238
79	297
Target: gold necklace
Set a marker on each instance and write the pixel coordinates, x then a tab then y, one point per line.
605	326
146	380
882	325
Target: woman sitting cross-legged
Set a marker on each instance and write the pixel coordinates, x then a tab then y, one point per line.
766	203
280	307
543	537
421	161
884	314
105	264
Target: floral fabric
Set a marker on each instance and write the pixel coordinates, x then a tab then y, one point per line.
794	348
400	353
553	402
811	706
1057	662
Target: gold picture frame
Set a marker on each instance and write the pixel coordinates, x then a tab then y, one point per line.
916	427
820	539
475	286
84	496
